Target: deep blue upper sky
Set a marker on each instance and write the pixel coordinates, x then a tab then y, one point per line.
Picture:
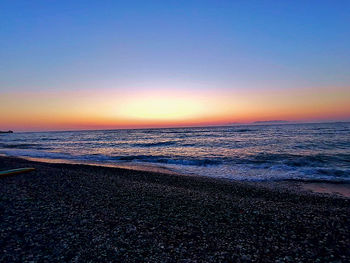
243	44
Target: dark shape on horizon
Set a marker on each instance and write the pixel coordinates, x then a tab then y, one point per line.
271	122
6	131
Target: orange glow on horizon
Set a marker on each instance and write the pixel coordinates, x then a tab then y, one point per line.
108	109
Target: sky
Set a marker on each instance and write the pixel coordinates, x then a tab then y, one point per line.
130	64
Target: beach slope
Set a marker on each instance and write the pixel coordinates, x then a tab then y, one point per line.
65	212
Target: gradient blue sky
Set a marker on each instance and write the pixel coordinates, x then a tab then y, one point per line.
59	44
215	45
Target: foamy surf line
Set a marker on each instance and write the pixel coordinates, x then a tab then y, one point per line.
207	168
335	188
129	166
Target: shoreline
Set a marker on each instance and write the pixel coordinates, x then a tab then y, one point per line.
315	186
69	212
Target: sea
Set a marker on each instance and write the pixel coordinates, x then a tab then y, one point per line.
315	151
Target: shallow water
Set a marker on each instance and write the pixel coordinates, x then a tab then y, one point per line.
327	188
252	152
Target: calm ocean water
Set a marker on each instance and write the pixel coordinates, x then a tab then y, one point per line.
261	152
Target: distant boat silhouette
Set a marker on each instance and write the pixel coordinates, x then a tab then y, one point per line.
6	131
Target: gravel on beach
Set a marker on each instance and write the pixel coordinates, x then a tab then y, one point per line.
81	213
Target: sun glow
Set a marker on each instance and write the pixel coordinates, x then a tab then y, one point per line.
108	108
160	107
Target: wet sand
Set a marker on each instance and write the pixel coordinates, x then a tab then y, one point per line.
66	212
328	188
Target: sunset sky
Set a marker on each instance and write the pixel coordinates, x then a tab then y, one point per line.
131	64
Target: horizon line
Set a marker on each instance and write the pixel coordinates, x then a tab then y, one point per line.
254	123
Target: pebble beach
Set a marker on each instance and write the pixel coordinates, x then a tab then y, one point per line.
84	213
